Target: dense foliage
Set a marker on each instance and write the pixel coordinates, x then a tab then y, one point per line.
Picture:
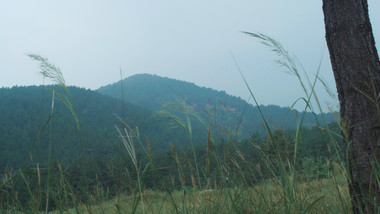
25	111
242	163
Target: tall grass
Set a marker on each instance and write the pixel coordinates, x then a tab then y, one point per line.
288	180
46	185
128	139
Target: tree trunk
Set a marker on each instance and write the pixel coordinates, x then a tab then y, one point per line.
356	67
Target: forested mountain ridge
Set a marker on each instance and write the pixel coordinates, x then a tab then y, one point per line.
155	93
26	110
189	110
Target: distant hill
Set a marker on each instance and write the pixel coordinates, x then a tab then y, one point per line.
25	110
189	111
224	111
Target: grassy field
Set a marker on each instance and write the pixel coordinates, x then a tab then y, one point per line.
329	195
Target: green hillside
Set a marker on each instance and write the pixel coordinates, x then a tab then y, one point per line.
226	112
26	110
189	111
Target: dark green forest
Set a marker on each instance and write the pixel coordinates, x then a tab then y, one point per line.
25	111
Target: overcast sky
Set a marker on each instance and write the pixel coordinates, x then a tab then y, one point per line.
91	40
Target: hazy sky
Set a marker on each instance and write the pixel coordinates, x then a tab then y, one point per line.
90	40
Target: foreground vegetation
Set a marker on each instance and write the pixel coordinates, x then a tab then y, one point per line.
230	177
315	196
236	186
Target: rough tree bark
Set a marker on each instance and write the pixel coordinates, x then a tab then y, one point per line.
356	67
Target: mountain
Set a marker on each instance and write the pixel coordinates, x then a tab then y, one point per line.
225	112
166	112
26	111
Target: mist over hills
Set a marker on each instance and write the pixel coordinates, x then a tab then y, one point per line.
154	92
